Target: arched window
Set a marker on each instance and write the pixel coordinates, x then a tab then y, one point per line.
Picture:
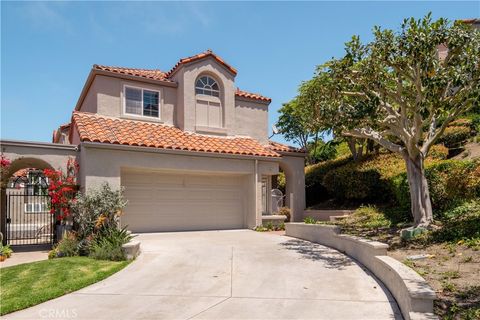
208	86
209	112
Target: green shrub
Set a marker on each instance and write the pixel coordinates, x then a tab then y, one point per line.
349	183
67	247
438	152
454	136
315	190
450	182
104	250
365	181
310	220
460	223
108	245
285	211
462	122
6	250
96	212
281	182
383	179
475	122
366	217
324	151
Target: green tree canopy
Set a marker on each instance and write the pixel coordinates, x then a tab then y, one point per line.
401	90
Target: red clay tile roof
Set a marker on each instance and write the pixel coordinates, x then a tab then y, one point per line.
199	56
159	75
153	74
280	147
471	21
96	128
64	128
23	172
245	94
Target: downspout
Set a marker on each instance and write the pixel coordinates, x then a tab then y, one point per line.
258	220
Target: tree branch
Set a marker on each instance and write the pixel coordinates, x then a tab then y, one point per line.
376	136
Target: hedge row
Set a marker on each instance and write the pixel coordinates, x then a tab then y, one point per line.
383	179
455	136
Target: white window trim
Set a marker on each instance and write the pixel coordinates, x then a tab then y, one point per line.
213	90
137	116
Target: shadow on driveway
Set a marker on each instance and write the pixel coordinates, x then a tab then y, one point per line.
332	259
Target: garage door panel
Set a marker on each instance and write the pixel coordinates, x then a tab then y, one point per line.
173	202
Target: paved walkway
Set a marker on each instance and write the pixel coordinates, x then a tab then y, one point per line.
238	274
24	257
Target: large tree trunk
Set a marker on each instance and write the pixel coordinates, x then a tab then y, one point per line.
419	194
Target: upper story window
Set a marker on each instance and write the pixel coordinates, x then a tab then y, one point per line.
208	110
142	102
208	86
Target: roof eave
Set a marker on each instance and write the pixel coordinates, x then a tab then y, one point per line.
265	102
102	145
300	154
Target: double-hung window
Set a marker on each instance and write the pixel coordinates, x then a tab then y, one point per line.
142	102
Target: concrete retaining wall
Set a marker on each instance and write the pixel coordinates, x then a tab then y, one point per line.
131	249
324	215
413	294
274	219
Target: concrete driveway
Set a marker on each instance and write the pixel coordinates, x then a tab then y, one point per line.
237	274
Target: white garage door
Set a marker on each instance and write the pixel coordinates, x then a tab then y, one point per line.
177	202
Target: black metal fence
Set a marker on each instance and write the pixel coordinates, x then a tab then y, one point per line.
28	218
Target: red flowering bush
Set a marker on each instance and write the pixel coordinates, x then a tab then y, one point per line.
4	162
4	166
62	188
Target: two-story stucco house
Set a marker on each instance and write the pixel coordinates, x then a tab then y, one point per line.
190	148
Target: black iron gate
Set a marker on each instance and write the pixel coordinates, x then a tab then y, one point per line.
28	217
29	220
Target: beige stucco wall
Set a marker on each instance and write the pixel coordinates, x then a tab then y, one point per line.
37	155
186	77
293	167
251	119
241	116
105	97
99	165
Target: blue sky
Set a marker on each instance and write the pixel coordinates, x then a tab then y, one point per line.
48	48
